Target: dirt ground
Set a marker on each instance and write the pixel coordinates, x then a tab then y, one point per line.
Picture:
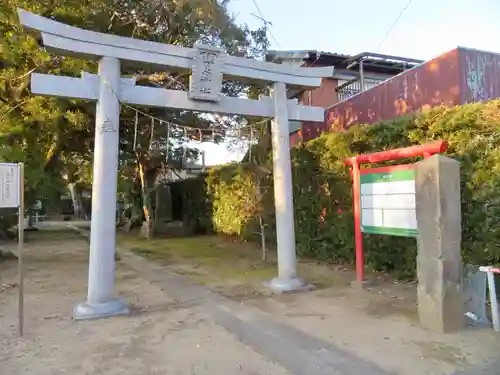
379	324
159	337
162	336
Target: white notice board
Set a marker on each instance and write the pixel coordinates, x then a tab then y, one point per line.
10	185
388	201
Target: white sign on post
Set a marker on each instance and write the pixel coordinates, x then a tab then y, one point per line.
9	185
12	196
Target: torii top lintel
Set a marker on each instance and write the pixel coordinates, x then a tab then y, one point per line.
72	41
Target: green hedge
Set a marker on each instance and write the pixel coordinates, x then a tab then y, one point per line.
322	188
8	219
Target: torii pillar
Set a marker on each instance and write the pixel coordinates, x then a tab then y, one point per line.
101	299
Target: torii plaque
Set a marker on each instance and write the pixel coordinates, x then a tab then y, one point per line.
205	82
207	65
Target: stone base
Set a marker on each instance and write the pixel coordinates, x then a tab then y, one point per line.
114	307
280	285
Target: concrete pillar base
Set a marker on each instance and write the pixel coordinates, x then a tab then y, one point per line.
84	310
286	285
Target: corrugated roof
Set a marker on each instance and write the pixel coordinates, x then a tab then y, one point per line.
304	54
372	62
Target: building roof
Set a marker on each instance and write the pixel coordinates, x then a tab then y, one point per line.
373	62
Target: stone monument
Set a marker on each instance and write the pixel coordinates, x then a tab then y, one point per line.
439	261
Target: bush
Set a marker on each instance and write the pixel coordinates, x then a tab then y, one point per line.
8	219
323	188
191	204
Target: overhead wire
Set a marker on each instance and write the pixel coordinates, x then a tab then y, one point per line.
394	24
266	23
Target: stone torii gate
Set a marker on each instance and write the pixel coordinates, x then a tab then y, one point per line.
208	66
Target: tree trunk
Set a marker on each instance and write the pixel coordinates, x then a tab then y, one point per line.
30	219
136	218
259	195
82	213
119	213
147	187
76	200
263	245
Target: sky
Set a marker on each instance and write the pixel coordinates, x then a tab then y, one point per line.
426	29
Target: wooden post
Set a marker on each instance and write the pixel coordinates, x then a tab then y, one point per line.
20	245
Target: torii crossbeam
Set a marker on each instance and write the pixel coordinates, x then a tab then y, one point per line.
207	66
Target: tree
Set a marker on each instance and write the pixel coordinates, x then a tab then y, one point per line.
260	191
54	137
181	23
40	131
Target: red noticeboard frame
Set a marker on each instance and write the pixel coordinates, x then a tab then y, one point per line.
354	163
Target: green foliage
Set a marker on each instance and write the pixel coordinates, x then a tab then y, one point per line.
237	202
232	190
54	137
8	219
323	188
43	133
196	205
